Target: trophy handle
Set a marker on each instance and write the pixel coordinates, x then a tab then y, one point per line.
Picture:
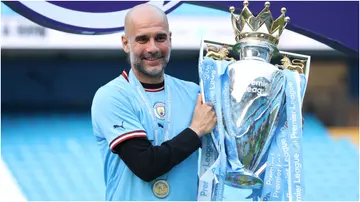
201	83
201	57
201	52
297	60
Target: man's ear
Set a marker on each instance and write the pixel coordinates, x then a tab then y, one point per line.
170	34
125	43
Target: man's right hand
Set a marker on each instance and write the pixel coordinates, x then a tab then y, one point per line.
204	118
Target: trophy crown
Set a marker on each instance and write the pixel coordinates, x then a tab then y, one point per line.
262	27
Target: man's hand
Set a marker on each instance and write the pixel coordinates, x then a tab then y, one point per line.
204	118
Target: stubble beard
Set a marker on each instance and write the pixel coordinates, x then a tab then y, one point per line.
141	68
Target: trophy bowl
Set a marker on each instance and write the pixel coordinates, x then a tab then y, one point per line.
257	93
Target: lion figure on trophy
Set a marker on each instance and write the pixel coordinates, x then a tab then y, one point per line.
295	64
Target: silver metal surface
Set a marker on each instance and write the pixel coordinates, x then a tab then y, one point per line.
256	96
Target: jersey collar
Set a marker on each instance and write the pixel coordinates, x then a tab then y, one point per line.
157	87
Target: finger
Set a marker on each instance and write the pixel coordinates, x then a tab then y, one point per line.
209	104
199	100
211	107
215	119
213	114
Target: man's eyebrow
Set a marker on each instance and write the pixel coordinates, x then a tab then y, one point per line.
144	36
161	34
140	37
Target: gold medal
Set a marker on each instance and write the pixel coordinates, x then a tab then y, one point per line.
161	188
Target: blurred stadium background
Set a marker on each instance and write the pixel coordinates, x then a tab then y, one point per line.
48	79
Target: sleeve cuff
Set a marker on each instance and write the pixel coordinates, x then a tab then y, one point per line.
193	137
126	136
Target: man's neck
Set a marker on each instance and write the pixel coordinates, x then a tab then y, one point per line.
147	79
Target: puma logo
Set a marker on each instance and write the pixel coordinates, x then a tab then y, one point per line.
120	126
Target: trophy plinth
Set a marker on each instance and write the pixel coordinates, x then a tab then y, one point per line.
243	180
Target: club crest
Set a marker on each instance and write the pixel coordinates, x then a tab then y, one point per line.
159	109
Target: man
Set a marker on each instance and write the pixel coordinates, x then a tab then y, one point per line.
148	124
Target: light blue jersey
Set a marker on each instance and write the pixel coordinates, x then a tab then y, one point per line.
121	110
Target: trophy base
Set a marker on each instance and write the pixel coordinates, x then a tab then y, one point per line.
243	180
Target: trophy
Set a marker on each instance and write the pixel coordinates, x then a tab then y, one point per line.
258	106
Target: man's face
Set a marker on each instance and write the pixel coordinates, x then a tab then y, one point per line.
149	45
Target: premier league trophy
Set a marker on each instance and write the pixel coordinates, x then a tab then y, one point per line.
257	141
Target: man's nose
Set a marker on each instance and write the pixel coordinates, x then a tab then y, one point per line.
152	47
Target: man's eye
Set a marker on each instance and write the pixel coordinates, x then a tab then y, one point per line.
161	38
141	39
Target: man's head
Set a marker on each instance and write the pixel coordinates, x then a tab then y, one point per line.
147	40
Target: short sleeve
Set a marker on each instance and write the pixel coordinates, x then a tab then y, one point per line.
113	117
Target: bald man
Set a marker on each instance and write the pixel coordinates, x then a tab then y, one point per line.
148	124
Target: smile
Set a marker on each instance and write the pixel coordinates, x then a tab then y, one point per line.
152	59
